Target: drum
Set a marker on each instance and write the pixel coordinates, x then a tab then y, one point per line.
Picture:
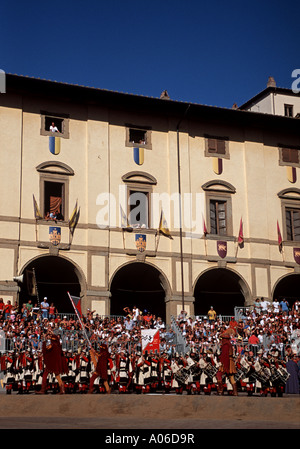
210	370
283	375
181	375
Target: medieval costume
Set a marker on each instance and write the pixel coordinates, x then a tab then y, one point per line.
100	361
54	362
227	363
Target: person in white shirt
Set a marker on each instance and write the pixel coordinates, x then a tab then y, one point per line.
276	306
54	128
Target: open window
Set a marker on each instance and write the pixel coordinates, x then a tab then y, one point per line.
54	200
54	124
54	190
138	137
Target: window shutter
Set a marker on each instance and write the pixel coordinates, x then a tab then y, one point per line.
221	149
212	145
213	221
294	156
296	223
285	154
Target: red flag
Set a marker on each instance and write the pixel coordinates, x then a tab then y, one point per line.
241	234
76	302
204	228
279	237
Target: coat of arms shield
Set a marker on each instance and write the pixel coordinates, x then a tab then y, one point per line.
140	242
54	235
222	248
296	252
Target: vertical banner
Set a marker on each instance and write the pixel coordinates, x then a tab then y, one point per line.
150	340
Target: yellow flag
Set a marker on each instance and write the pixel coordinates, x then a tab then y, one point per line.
73	216
163	226
37	214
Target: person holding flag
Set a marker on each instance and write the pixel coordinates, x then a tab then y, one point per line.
100	361
54	361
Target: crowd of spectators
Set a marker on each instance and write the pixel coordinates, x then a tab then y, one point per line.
264	325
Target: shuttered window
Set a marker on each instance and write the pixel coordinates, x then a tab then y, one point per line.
216	146
290	155
293	224
218	217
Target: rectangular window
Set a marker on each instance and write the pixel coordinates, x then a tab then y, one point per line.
138	208
54	200
288	110
292	224
138	137
54	124
218	217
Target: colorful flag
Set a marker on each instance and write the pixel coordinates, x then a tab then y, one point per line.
279	237
54	145
163	226
37	214
150	340
241	234
138	155
76	303
73	225
74	218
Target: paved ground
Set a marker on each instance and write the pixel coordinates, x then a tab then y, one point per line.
112	412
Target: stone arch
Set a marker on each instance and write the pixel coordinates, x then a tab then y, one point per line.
222	288
139	284
55	275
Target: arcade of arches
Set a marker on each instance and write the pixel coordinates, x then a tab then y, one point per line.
142	285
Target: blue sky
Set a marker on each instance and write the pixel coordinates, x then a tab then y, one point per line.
209	52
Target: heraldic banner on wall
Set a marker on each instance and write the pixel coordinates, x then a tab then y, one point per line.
54	235
222	248
140	242
296	253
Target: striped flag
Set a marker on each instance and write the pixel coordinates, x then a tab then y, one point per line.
74	218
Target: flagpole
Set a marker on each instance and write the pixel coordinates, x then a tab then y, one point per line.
180	213
79	319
